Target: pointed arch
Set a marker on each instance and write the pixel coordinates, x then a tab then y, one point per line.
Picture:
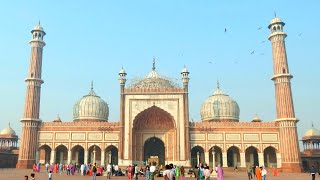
251	156
94	155
233	156
111	154
217	151
44	154
77	153
154	118
197	155
61	154
270	156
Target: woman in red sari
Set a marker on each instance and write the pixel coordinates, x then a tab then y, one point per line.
275	173
129	172
34	167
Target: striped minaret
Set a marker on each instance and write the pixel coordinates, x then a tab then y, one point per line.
30	120
289	146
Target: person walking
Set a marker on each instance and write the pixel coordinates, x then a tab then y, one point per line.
181	173
313	172
94	171
220	173
50	175
249	171
263	173
147	173
129	172
136	172
109	169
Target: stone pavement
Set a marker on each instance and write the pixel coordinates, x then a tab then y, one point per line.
18	174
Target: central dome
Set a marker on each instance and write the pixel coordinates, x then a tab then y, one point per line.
220	107
154	81
91	108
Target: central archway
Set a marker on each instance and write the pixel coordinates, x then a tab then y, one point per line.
153	148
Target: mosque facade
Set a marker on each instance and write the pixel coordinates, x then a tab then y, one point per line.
154	123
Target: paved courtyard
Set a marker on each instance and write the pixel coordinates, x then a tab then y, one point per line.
17	174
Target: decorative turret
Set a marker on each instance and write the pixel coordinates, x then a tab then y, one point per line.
185	76
122	77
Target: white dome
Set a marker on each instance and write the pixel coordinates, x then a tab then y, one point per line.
91	108
220	107
38	28
154	81
313	132
8	131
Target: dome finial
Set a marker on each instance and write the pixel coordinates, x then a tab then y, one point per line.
91	85
154	64
275	14
10	126
311	123
39	22
218	84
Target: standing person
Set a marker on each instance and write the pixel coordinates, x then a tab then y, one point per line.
109	169
177	173
50	175
275	173
196	173
206	173
249	171
220	173
60	168
313	172
152	171
94	171
168	174
263	173
47	167
34	167
147	173
32	176
129	172
38	167
258	173
82	169
136	172
253	171
181	173
72	169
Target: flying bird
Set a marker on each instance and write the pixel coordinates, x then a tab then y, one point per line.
262	42
300	34
259	28
225	30
252	52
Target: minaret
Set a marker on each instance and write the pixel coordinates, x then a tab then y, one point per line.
185	81
30	120
289	146
122	80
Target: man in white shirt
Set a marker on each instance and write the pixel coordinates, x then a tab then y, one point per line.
109	170
116	169
263	173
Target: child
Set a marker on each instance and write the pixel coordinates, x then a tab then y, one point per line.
50	175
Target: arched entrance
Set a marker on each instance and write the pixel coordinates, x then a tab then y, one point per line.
61	154
233	157
197	156
111	155
270	157
153	135
77	154
94	154
153	151
44	154
217	156
252	157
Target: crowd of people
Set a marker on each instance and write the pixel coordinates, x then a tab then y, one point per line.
260	173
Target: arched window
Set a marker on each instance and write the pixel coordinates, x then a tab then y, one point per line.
274	29
278	28
36	35
39	34
284	71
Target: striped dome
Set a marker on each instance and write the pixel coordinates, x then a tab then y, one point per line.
220	107
91	108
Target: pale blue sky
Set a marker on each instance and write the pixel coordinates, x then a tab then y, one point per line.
91	41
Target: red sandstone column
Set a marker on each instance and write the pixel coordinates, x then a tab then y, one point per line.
30	120
289	145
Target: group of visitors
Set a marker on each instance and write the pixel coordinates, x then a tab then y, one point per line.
260	173
203	172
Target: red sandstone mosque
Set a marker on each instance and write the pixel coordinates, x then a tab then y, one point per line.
154	123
